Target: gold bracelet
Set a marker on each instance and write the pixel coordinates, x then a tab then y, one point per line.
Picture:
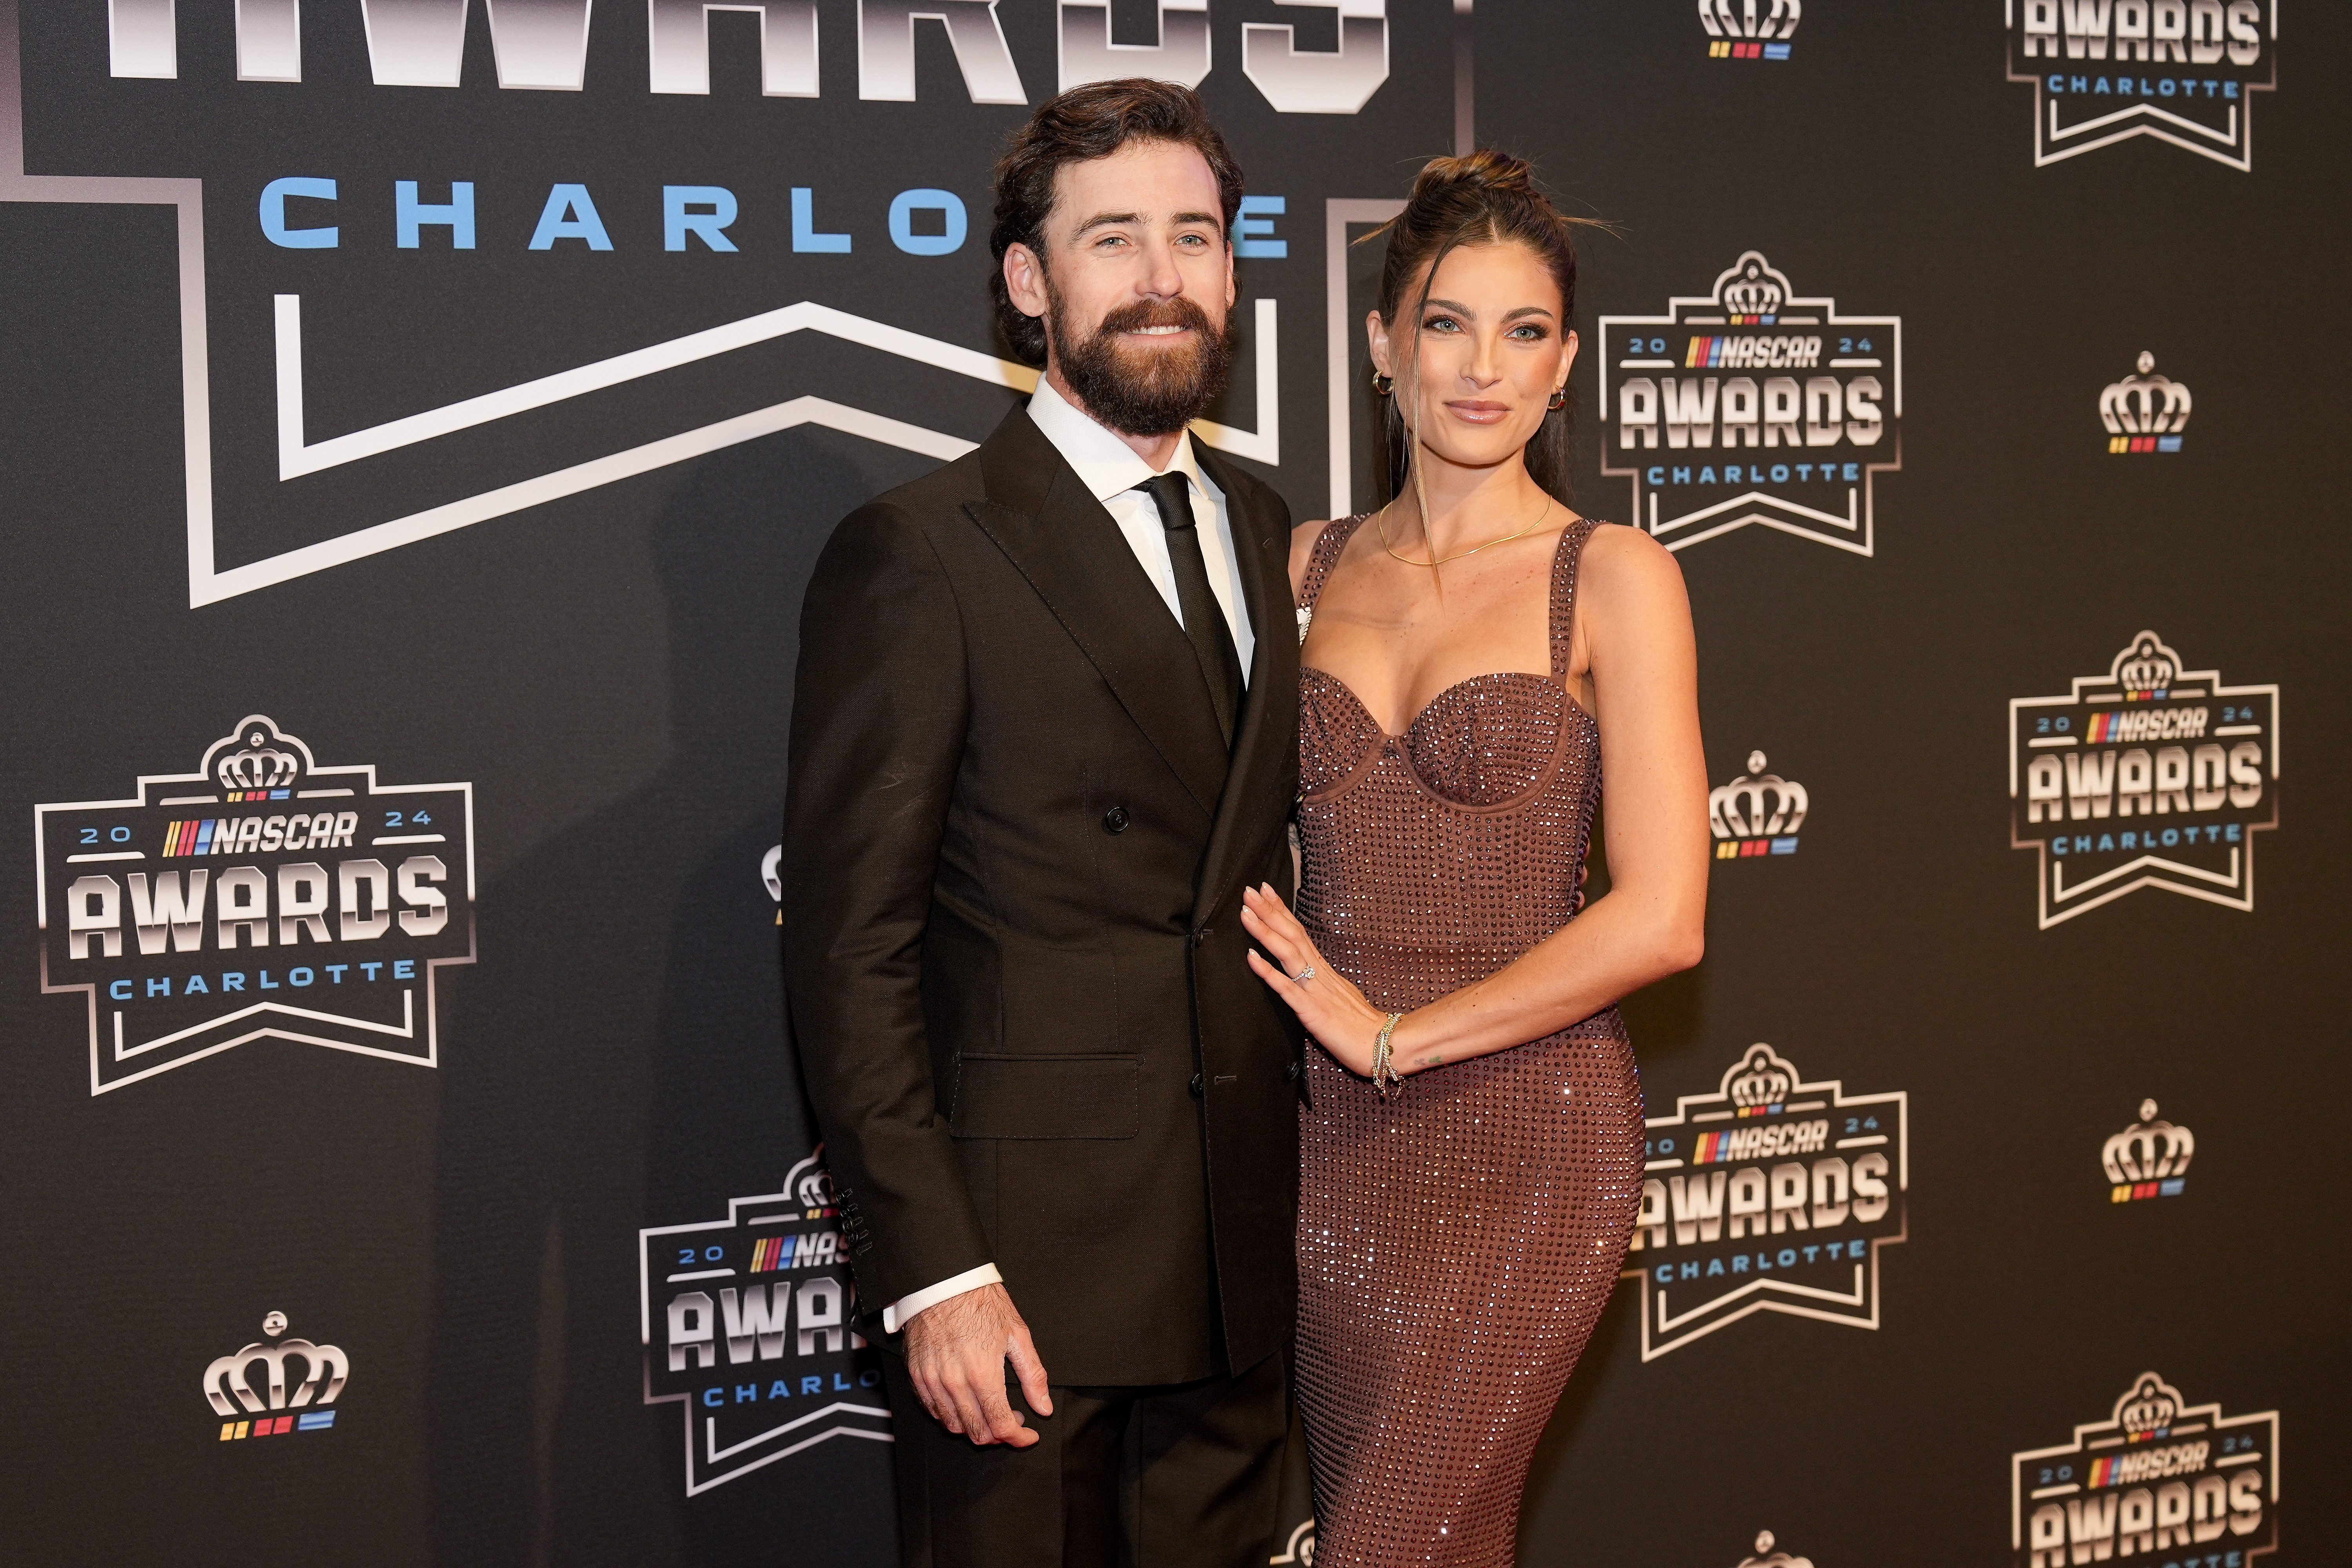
1383	1074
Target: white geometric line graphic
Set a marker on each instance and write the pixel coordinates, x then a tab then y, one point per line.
296	459
715	1453
207	584
1338	212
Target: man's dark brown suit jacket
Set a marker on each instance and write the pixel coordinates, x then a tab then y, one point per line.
1014	847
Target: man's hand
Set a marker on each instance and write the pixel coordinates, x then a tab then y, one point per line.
956	1352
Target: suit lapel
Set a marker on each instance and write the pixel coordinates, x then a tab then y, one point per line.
1256	797
1071	552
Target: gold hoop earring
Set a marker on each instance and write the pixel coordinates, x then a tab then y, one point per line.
1383	384
1559	399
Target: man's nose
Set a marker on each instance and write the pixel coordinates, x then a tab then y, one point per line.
1161	278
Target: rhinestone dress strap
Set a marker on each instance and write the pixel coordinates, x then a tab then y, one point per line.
1328	545
1564	565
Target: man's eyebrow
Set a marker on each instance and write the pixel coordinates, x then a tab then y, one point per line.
1105	220
1109	220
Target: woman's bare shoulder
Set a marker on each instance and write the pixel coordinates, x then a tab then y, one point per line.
1627	560
1630	580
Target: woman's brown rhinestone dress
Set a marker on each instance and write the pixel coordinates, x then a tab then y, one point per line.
1457	1242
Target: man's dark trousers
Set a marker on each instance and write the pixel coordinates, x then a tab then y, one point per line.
1120	1478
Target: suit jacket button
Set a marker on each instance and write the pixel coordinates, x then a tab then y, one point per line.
1115	819
1195	1086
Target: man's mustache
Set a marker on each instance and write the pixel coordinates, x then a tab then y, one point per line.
1137	314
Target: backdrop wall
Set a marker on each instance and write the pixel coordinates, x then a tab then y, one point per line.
420	421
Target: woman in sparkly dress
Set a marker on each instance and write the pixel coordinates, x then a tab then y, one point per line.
1472	651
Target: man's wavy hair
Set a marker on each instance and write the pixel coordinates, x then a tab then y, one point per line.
1087	122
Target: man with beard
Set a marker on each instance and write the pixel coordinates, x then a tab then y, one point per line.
1044	733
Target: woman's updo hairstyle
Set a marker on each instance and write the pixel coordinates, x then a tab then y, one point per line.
1484	197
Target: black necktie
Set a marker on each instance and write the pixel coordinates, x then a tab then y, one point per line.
1205	621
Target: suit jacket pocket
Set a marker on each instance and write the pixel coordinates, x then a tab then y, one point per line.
1045	1095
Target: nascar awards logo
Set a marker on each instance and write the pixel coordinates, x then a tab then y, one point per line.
1780	1196
1794	440
1756	814
2160	1475
2182	71
1777	1559
285	1402
2145	412
746	1326
1737	32
2150	776
1298	1547
2150	1159
261	896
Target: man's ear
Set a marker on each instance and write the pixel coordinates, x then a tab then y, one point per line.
1024	280
1233	290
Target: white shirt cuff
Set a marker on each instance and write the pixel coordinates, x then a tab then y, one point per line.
896	1313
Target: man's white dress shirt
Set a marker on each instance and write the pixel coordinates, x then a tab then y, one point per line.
1110	470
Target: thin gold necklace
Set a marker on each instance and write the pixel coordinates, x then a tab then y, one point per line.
1379	521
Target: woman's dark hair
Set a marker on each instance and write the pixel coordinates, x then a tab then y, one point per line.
1087	122
1484	197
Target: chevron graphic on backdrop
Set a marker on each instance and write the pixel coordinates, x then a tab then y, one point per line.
208	583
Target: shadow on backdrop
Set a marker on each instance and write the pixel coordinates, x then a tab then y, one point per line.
614	1092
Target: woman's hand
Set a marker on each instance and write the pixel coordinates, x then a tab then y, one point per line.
1327	1002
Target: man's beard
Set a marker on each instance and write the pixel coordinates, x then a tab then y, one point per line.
1143	391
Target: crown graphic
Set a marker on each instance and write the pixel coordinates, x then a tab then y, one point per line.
1780	21
2148	1149
2150	1406
1753	288
257	755
809	1183
259	768
325	1370
2147	665
1759	1077
2144	404
1776	1560
1737	810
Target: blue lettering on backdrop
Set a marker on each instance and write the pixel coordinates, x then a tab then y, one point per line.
805	234
708	226
1248	225
273	213
570	214
456	214
902	228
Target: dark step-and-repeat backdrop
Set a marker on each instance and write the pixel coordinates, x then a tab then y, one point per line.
420	418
